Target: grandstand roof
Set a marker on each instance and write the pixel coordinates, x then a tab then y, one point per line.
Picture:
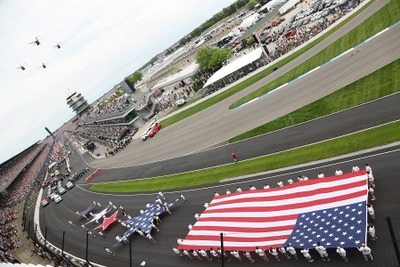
236	64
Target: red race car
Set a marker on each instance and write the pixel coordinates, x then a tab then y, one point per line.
154	130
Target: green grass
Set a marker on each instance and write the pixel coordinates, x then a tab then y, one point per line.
384	17
380	83
255	78
367	139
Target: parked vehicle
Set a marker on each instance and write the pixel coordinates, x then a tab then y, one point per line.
181	102
45	201
57	198
69	185
61	190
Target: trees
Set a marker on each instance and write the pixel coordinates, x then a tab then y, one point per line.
135	77
211	59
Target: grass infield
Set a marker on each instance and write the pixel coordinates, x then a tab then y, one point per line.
380	83
354	142
386	16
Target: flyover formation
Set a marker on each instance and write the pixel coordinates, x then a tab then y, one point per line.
214	126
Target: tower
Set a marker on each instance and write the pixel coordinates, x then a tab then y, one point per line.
50	133
78	103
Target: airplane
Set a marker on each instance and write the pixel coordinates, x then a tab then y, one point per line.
143	223
97	216
84	213
36	41
21	67
58	46
43	66
107	221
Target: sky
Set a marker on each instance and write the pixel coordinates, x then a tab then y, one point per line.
101	43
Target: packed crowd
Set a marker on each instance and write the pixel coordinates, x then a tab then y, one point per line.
19	189
121	144
288	251
8	235
281	41
12	168
109	134
31	162
291	35
115	106
57	153
168	99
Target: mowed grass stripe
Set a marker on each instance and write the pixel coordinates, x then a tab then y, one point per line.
380	83
367	139
386	16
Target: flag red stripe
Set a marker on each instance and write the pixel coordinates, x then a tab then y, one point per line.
243	229
248	219
240	248
228	238
291	196
301	184
291	206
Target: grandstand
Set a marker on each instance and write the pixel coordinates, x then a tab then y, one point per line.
12	168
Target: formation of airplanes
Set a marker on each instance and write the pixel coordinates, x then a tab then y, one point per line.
98	222
37	42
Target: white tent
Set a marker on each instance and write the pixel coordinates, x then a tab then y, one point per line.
235	65
271	4
249	21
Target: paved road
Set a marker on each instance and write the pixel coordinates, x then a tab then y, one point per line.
217	124
379	112
215	127
385	166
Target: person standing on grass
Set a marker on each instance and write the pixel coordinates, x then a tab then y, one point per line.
234	157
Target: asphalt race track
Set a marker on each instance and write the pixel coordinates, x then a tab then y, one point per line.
385	166
213	127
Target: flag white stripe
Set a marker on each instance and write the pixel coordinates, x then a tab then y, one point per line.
285	212
278	203
216	243
286	191
240	234
246	224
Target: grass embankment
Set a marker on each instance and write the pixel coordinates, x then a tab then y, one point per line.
343	145
255	78
383	18
380	83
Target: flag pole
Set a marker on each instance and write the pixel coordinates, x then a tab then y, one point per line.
130	253
222	250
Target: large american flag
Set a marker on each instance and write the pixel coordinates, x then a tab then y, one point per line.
329	210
